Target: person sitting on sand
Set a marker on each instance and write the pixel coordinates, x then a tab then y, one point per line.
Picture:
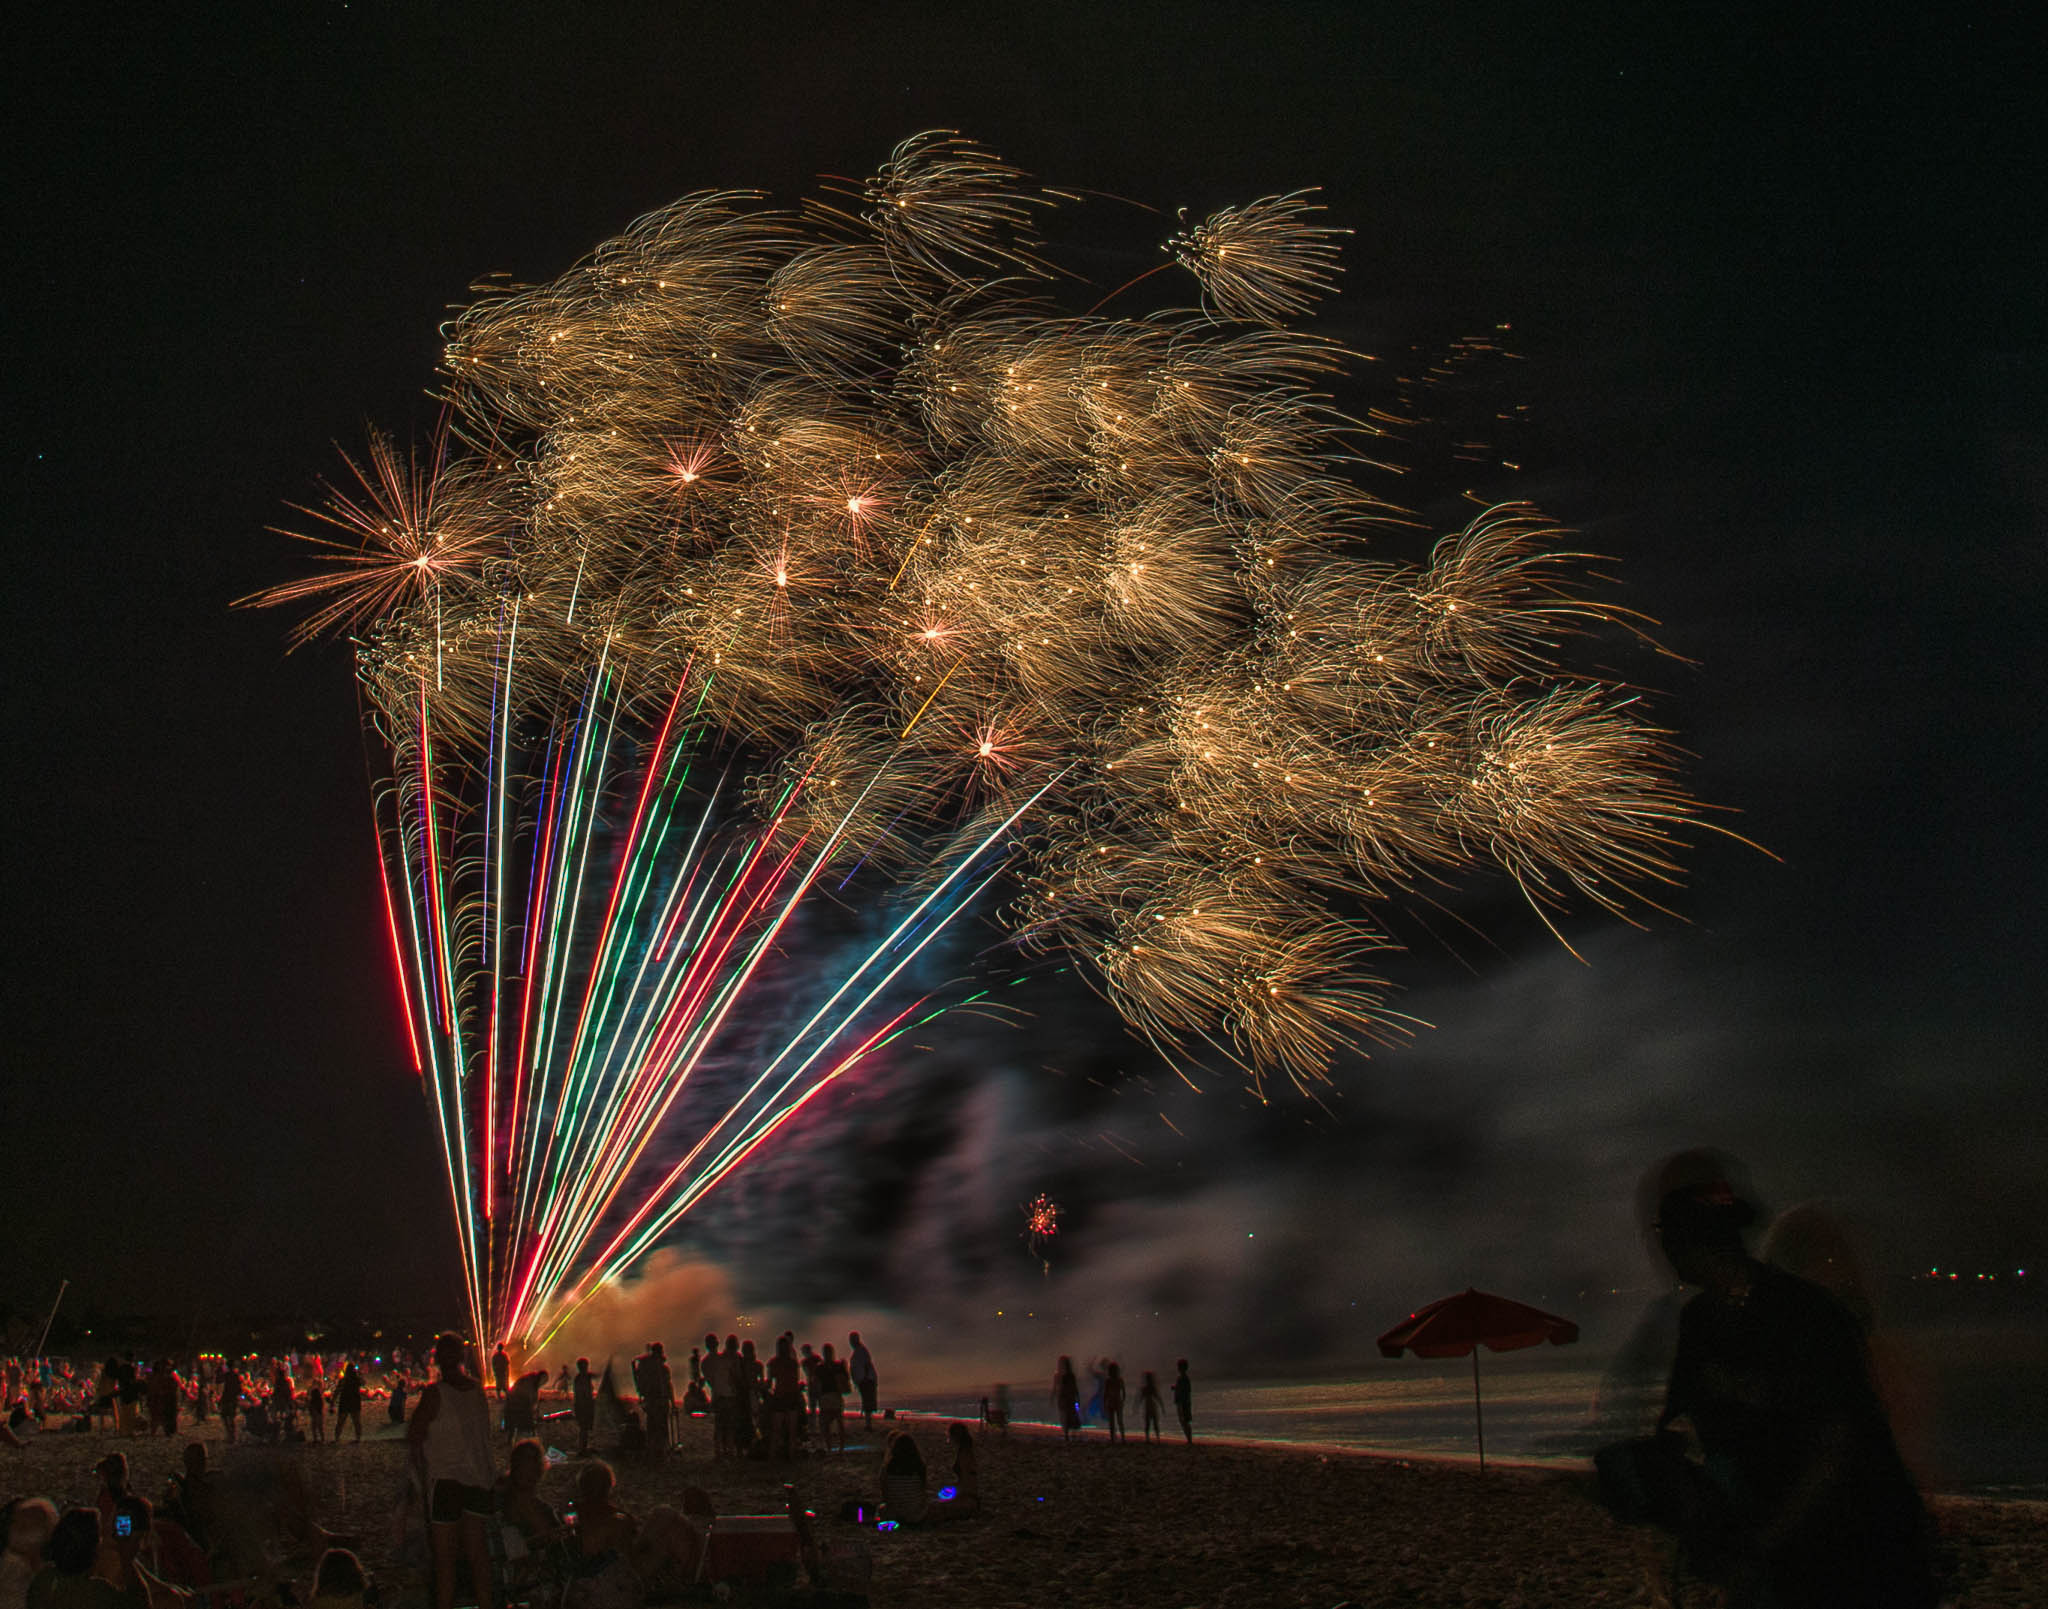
904	1498
1066	1399
339	1581
534	1536
28	1538
616	1560
67	1581
519	1497
119	1561
962	1499
1772	1377
190	1498
113	1473
1149	1404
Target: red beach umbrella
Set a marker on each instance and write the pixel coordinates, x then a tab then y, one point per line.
1464	1323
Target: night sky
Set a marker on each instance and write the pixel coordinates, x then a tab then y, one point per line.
1776	285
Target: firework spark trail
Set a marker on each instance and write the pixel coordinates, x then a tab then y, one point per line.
777	560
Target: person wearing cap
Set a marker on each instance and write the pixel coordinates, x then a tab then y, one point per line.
1771	1375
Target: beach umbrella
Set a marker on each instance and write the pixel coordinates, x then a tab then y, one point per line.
1464	1323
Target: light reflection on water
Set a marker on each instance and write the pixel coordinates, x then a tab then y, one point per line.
1540	1408
1531	1412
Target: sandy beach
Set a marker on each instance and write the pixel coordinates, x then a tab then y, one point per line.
1161	1527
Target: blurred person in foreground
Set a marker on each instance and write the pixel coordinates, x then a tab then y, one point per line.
449	1440
29	1524
68	1581
1798	1496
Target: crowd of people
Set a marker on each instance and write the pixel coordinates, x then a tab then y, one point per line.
485	1531
1110	1398
293	1397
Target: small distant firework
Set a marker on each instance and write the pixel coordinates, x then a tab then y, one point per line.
779	564
1041	1226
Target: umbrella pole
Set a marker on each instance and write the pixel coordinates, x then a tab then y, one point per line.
1478	1415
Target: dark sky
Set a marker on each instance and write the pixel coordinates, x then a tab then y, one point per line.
1778	286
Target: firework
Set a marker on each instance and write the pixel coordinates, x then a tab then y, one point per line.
776	566
1041	1227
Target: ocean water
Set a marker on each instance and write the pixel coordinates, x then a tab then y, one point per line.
1975	1424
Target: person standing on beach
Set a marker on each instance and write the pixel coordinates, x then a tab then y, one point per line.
661	1413
165	1392
230	1397
734	1384
583	1394
501	1370
1184	1400
449	1442
1148	1404
656	1388
860	1368
316	1410
785	1399
1066	1399
1113	1400
833	1385
348	1400
128	1398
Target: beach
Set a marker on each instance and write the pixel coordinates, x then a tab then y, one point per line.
1153	1527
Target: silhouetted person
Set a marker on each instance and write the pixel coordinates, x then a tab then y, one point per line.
283	1404
68	1582
860	1369
752	1419
339	1581
1772	1377
1113	1401
501	1370
163	1396
522	1403
729	1403
191	1503
348	1401
1184	1399
833	1384
230	1398
962	1500
785	1399
583	1394
1149	1404
657	1395
904	1498
1066	1398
